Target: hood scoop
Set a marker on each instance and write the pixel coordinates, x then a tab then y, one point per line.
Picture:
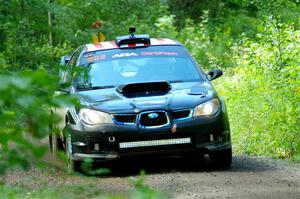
198	90
94	98
144	87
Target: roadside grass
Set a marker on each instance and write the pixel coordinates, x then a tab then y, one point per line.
50	183
262	93
44	191
74	191
296	158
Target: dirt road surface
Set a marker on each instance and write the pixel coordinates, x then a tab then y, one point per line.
249	177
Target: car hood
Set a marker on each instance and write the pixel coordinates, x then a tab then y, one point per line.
181	96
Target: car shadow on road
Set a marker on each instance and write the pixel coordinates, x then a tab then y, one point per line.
157	165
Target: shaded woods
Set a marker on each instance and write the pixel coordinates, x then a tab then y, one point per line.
255	42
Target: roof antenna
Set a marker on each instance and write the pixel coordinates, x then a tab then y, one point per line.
132	31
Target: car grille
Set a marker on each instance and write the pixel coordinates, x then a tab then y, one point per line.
153	119
182	114
124	118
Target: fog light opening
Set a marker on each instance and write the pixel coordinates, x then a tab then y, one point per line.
79	144
96	147
220	139
211	137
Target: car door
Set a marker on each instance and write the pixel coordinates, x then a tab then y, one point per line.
65	79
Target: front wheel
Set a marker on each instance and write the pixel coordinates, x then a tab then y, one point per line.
73	165
221	159
55	143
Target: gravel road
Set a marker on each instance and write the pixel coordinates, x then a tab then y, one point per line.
249	177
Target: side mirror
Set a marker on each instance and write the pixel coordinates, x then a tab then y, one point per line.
64	87
214	74
65	59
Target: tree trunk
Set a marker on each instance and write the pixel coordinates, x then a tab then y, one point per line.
50	25
22	7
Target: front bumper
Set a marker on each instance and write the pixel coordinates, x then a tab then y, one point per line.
103	142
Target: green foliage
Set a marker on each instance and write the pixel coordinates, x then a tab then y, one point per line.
211	51
263	92
142	191
24	31
85	187
210	28
25	116
260	55
261	62
24	27
46	192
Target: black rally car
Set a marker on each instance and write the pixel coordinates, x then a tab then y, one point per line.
141	96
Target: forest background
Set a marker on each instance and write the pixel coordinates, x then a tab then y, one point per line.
256	43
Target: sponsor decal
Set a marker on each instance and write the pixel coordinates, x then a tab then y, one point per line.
88	55
174	128
124	55
160	53
95	58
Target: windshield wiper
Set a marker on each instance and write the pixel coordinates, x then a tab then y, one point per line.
176	81
93	88
187	80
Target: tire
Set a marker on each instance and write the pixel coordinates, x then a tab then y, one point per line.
72	165
55	143
221	159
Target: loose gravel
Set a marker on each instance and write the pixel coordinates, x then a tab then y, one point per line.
249	177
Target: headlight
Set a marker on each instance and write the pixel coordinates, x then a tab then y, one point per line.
208	108
93	117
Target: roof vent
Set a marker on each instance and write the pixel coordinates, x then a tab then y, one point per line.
133	40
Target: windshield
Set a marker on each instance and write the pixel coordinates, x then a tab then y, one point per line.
124	66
